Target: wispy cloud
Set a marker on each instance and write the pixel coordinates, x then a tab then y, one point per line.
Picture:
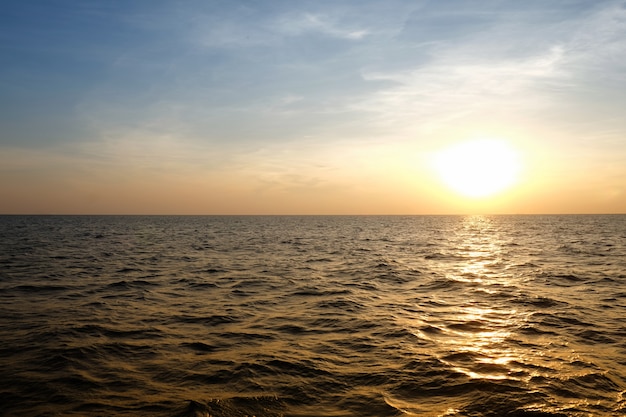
295	24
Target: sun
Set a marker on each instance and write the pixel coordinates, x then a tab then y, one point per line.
478	168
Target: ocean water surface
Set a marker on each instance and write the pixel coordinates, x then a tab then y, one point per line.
521	316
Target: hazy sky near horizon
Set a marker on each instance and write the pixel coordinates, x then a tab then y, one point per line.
307	107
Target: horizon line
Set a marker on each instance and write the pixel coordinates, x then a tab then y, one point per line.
313	214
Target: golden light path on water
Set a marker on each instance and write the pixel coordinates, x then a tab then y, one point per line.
483	328
482	252
480	338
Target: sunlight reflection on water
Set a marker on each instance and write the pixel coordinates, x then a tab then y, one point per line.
483	326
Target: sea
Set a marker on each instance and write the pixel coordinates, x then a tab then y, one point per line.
267	316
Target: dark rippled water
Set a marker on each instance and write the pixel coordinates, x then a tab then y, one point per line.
313	316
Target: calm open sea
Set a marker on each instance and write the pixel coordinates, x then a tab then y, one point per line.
217	316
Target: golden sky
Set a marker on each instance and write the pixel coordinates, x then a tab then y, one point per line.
295	107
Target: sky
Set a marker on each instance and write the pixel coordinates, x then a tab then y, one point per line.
309	107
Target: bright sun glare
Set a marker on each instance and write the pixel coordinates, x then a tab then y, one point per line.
478	168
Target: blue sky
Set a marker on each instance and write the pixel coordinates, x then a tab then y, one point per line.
306	106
